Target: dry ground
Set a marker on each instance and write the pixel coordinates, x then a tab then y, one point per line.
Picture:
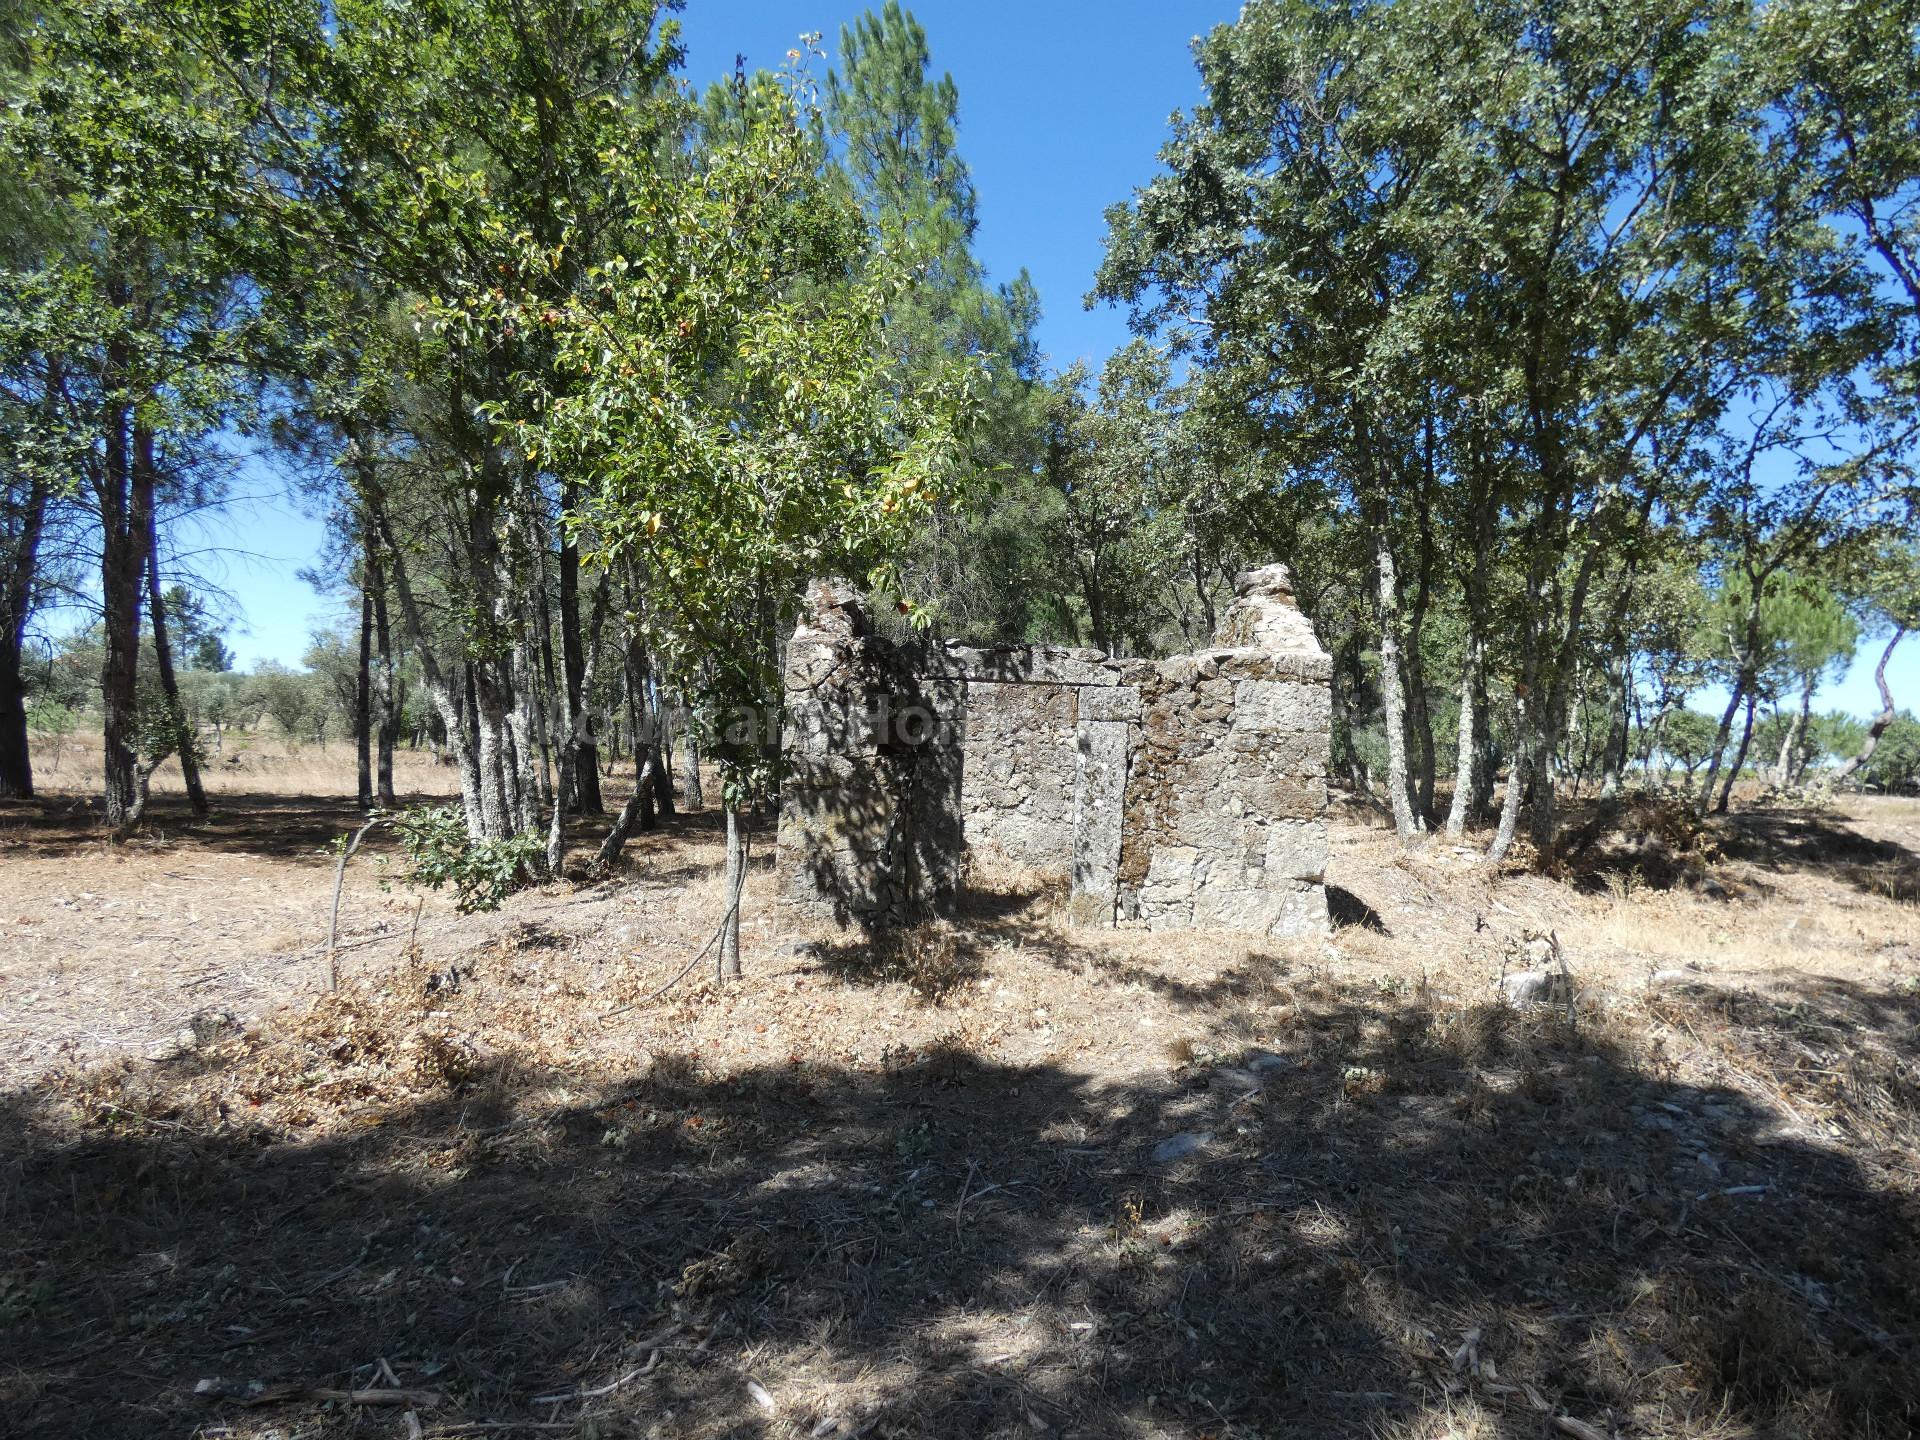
1000	1177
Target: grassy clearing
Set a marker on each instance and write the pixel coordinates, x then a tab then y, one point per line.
1000	1177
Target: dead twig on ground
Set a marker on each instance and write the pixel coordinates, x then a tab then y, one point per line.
564	1397
283	1394
339	880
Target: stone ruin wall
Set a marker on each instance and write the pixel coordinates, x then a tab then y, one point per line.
1177	793
869	829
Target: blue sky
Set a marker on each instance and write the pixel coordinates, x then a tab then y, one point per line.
1063	108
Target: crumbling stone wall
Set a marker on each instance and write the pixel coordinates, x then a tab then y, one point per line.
1019	747
1188	792
869	801
1226	792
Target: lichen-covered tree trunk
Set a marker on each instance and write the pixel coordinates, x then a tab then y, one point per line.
385	702
573	745
363	702
1613	763
532	785
728	965
1419	711
122	564
1472	719
1740	756
1529	742
1881	722
1470	756
493	753
1393	697
692	792
1786	770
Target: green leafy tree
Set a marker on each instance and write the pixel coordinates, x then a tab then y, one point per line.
1689	738
1888	590
199	637
289	697
894	128
128	307
1121	462
1503	270
1895	762
737	417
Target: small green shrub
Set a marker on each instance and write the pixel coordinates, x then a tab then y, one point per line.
439	852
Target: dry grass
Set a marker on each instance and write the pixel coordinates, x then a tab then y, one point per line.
911	1189
247	763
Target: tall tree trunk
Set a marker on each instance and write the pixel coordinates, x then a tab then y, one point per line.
363	700
1393	701
1881	722
534	784
1425	777
557	825
1471	757
1718	753
1505	831
629	816
1787	771
122	564
1740	756
473	781
494	693
1530	745
16	755
534	671
1486	766
1419	710
18	569
386	706
729	962
186	742
573	744
646	750
692	792
573	658
1472	719
662	746
439	688
1746	682
491	699
1096	619
1613	766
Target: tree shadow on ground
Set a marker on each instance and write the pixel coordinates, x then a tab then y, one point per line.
1645	838
274	826
1654	840
1402	1215
940	958
1818	842
304	828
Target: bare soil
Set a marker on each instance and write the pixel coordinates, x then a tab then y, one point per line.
996	1177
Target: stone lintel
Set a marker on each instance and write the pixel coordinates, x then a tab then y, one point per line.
1029	664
